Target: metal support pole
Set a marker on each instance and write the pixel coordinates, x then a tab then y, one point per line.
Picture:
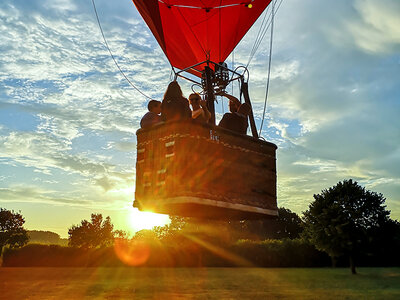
245	91
209	94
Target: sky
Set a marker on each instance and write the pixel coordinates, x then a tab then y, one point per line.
68	118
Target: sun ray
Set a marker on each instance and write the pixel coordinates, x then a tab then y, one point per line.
139	220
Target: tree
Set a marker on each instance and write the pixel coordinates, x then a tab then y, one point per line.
12	232
287	225
94	234
146	235
344	219
385	244
171	231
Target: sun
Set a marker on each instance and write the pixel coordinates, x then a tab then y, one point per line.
139	220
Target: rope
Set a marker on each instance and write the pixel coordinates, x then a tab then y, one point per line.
269	65
222	104
201	7
219	24
112	56
260	37
233	65
252	52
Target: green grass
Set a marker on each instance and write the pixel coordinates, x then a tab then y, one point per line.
198	283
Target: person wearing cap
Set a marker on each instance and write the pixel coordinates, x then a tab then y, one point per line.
234	103
152	117
237	121
200	112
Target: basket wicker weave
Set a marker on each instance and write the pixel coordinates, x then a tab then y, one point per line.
199	170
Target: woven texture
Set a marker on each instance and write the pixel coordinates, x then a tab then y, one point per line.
184	159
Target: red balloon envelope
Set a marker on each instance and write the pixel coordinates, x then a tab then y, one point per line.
193	31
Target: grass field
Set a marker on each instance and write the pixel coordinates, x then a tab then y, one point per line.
198	283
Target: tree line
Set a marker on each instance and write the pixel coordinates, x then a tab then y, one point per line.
344	221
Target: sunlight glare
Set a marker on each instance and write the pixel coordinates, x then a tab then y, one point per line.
139	220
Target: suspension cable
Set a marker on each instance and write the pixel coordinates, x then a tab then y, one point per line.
269	65
263	24
264	30
233	65
112	56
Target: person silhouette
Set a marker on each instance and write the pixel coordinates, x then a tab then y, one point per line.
174	105
152	117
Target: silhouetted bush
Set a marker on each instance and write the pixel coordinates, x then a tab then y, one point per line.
268	253
281	253
36	255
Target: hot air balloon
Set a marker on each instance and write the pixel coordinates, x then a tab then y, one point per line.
202	170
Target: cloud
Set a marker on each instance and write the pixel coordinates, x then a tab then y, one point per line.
33	194
332	106
45	154
39	46
86	198
61	5
332	102
378	29
55	67
125	146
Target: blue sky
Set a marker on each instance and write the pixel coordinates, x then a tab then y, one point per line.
68	118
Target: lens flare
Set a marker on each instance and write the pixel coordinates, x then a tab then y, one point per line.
131	252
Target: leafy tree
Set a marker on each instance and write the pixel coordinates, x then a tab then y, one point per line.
287	225
385	243
94	234
12	232
343	219
172	230
121	234
185	230
146	235
178	223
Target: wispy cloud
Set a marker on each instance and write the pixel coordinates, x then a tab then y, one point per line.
378	28
332	107
333	111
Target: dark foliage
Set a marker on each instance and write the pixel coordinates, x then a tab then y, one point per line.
288	225
175	231
346	220
94	234
270	253
384	245
12	232
281	253
36	255
191	253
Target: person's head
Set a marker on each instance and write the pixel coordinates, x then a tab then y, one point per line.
233	106
194	100
173	91
154	106
244	109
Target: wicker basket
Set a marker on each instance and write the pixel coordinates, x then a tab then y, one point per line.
199	170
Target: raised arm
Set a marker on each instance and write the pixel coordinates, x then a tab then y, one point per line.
207	114
234	103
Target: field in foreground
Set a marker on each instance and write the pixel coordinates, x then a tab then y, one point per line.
198	283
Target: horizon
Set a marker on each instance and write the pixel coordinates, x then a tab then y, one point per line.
68	118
